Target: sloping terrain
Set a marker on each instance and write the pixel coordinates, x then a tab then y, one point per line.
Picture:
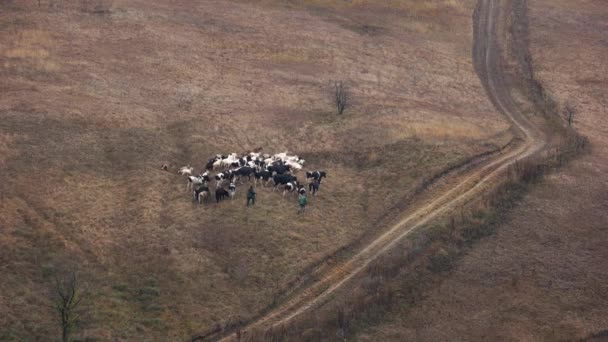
489	33
542	276
96	95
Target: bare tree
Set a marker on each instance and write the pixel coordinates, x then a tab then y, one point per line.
341	96
569	113
68	296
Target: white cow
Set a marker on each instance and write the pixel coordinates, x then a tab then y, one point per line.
185	170
294	165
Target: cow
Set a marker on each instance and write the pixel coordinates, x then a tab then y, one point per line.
316	175
205	176
255	155
262	175
217	164
185	170
259	163
293	165
290	187
201	193
220	194
194	180
222	176
268	161
282	180
313	187
229	160
279	169
232	190
209	165
301	189
213	163
244	171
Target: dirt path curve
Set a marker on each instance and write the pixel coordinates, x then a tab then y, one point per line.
488	66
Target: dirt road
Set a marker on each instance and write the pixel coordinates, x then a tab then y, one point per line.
487	59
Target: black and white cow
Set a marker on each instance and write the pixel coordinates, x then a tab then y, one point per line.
200	193
290	187
301	189
220	194
222	176
244	171
211	162
313	187
194	181
260	163
279	169
232	190
316	175
263	176
282	180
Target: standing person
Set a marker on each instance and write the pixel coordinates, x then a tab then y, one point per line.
251	196
302	200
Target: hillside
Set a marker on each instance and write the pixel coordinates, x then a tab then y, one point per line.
97	95
541	276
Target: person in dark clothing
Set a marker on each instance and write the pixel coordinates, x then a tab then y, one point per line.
251	196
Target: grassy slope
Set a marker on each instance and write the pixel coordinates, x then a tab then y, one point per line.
541	277
95	102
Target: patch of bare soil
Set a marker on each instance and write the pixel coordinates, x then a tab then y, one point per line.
542	276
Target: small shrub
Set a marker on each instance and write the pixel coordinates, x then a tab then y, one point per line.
440	262
148	291
120	287
341	97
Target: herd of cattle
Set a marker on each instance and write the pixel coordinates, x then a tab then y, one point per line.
265	169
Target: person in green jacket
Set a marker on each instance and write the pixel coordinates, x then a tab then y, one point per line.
302	200
251	196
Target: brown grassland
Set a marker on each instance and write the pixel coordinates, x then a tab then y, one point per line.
541	276
97	94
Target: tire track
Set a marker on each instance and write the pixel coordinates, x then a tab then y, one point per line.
487	60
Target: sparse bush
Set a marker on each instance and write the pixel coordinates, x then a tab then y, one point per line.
569	113
440	262
120	287
341	97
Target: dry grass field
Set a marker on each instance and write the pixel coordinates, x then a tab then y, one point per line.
97	94
542	276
